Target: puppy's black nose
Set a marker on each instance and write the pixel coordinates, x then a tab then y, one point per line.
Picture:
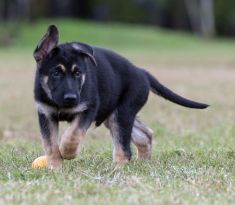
70	98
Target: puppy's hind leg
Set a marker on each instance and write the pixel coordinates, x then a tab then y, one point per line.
142	137
121	135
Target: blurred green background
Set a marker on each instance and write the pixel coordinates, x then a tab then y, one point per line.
205	18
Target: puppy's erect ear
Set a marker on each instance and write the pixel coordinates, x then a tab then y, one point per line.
85	50
47	43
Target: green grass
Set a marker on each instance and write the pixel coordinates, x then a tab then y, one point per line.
193	151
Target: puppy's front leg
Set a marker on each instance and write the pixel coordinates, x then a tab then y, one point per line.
72	138
49	131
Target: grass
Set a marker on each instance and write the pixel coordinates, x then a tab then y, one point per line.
193	151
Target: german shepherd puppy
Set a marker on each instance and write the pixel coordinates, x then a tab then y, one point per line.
81	84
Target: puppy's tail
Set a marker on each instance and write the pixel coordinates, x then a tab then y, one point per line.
166	93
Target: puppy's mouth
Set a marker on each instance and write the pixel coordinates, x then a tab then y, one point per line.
66	104
69	104
65	113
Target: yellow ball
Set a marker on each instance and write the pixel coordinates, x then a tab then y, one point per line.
40	162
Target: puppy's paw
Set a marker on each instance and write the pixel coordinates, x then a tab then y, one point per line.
144	152
54	164
68	151
120	159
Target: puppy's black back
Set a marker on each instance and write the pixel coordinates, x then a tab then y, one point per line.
117	78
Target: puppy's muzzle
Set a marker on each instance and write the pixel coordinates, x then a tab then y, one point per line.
70	99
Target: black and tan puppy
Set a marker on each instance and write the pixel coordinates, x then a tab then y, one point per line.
81	84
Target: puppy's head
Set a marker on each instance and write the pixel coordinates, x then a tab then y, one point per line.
62	68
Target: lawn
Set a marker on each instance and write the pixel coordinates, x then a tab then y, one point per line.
193	159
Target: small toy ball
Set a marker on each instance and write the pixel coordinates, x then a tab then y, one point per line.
40	162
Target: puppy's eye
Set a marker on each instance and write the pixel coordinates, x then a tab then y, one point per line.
57	73
77	73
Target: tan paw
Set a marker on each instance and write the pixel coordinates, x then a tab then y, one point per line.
54	163
121	159
144	152
68	151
